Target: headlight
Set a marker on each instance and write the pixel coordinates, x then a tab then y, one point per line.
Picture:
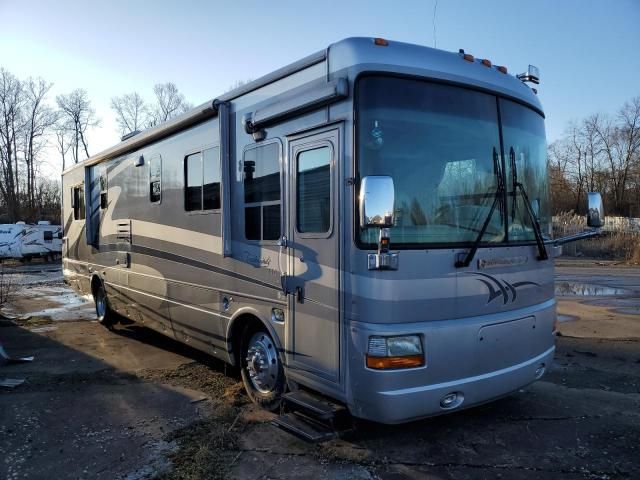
385	353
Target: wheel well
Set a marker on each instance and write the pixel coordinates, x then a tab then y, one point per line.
244	321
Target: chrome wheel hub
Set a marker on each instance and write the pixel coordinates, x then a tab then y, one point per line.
101	305
262	362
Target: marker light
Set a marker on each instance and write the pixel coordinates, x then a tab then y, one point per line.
485	62
502	69
381	42
468	57
386	353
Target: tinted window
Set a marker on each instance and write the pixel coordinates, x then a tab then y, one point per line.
212	176
271	222
193	190
262	174
313	182
48	236
155	179
78	202
104	200
261	167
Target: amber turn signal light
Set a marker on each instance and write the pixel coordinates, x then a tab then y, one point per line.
390	363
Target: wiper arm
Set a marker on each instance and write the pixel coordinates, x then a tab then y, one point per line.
498	199
537	231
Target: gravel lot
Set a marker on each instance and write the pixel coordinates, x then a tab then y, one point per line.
133	404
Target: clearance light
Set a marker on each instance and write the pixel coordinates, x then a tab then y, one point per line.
486	63
502	69
466	56
388	353
381	42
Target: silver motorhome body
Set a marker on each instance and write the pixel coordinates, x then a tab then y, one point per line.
245	211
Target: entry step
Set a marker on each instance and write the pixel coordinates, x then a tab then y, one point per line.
304	427
314	406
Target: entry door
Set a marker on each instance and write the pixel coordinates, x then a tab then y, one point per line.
313	283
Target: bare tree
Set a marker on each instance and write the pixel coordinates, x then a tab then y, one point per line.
40	117
131	112
11	105
169	103
77	116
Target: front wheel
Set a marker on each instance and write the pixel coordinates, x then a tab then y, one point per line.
104	313
262	372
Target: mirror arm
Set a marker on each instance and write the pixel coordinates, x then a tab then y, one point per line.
577	236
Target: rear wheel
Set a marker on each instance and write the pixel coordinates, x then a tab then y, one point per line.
104	313
262	372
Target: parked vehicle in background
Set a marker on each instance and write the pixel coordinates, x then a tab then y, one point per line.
370	223
27	241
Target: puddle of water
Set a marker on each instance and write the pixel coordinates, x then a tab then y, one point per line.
579	289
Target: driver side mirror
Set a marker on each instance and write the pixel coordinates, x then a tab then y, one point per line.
595	216
377	196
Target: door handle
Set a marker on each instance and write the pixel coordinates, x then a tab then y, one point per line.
282	245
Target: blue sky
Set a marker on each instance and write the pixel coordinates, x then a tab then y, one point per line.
587	51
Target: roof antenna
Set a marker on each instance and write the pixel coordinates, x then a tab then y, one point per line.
435	8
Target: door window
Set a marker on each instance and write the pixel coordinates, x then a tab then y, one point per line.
313	190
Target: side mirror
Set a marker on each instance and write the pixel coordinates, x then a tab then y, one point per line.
595	217
377	197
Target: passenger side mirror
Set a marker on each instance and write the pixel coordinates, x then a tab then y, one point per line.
377	198
595	216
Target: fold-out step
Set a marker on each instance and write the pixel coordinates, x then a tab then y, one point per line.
314	406
304	427
312	417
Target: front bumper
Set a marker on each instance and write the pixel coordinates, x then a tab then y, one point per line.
458	360
404	405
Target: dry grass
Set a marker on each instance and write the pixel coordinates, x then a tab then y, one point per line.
7	286
612	245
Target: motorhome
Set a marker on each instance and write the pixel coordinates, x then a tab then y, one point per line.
368	227
27	241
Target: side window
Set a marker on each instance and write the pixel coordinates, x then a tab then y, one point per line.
48	236
78	202
104	200
261	166
155	179
202	180
313	187
212	178
193	182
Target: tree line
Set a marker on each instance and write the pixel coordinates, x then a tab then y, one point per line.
31	122
600	153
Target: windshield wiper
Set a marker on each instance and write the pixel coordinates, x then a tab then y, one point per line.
497	200
537	231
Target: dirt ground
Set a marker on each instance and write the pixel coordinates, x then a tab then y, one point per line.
133	404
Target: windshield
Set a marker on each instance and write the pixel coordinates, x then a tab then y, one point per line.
441	145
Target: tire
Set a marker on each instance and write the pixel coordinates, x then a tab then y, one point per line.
105	315
261	369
